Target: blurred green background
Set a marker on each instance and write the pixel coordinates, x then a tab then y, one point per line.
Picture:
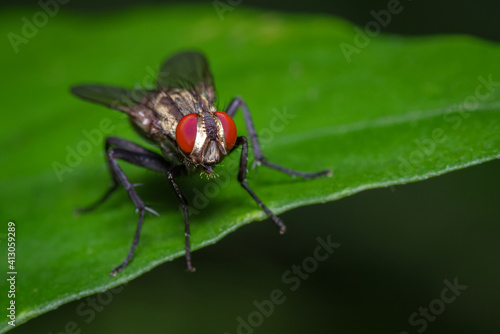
397	244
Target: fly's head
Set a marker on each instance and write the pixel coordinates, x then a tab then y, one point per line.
206	138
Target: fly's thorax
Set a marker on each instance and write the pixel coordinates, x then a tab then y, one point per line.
167	112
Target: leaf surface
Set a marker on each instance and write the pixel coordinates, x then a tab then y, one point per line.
401	110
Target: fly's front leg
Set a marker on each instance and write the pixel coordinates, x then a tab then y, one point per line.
259	156
119	176
242	173
157	163
121	149
172	174
136	155
124	145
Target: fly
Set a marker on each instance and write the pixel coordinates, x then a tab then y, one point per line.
180	118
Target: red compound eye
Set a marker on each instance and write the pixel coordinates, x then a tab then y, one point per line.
229	129
185	133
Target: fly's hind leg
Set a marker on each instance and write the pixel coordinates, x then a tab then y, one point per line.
237	103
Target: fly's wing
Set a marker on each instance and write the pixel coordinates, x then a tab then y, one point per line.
120	99
188	70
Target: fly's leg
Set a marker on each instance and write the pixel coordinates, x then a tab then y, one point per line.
137	155
172	174
122	144
134	154
242	173
238	102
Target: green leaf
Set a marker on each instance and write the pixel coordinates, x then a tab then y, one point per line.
396	110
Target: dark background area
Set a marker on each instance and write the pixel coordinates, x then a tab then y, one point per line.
420	17
397	244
